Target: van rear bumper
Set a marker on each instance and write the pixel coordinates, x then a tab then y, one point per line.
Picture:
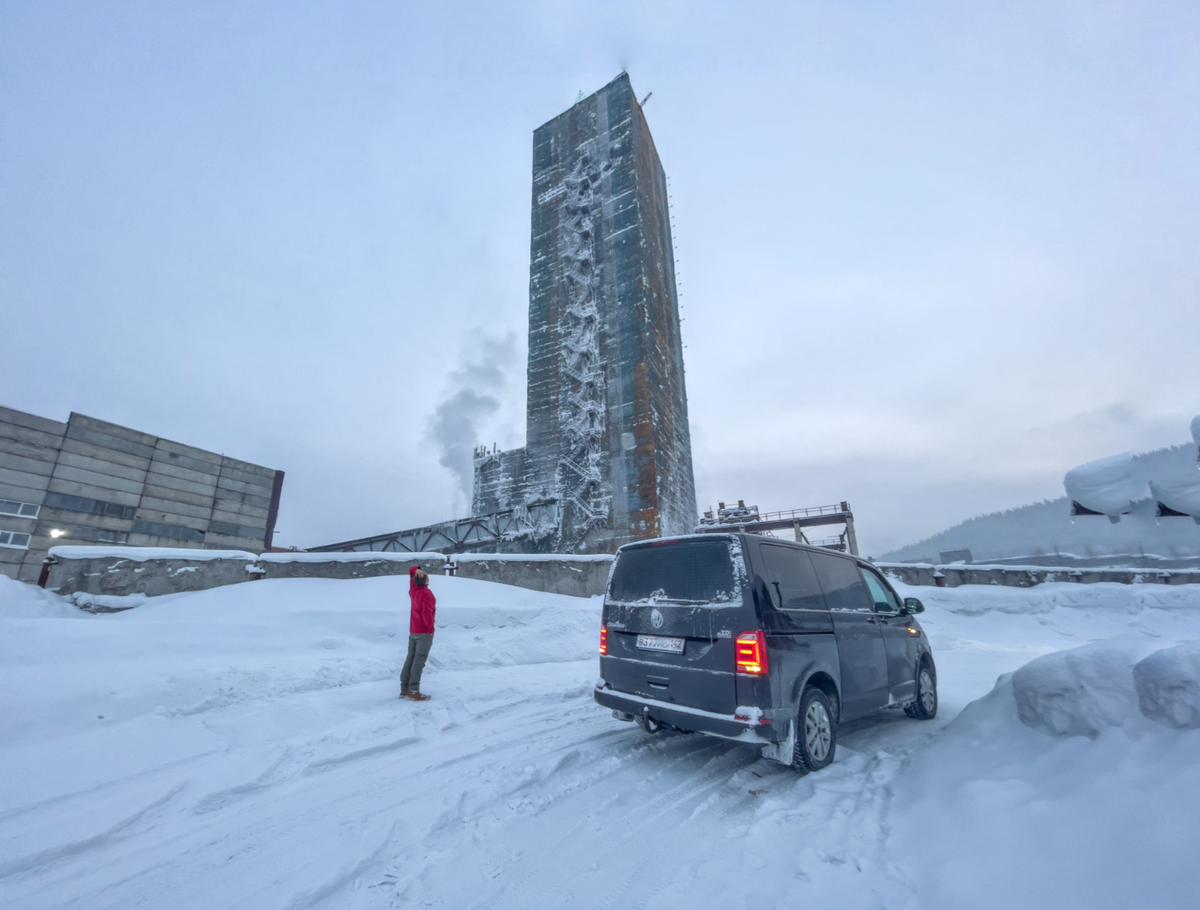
757	726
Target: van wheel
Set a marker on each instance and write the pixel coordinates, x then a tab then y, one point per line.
926	705
816	736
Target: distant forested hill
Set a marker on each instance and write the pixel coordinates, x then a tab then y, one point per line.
1045	528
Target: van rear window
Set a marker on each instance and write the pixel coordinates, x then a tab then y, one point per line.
690	572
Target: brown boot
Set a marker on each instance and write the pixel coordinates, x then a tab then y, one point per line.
417	695
405	692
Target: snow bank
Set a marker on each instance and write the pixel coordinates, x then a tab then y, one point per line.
1080	692
1109	486
1168	686
142	554
997	813
21	601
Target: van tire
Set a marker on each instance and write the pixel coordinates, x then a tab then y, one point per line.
816	734
926	705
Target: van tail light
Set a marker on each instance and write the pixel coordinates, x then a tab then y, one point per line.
604	639
751	651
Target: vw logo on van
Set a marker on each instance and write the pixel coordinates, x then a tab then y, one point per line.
656	618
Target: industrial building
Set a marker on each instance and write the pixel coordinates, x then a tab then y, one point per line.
608	454
88	482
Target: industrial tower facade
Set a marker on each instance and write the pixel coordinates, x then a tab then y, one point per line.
608	451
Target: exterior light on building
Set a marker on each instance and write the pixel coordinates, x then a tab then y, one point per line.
57	532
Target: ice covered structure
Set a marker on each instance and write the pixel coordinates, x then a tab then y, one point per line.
1177	495
1109	486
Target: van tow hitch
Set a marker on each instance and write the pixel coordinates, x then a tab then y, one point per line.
648	723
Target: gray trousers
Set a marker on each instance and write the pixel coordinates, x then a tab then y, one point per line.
418	653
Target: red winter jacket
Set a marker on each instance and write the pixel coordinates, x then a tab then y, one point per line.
424	605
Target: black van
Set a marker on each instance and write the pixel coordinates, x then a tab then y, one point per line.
758	640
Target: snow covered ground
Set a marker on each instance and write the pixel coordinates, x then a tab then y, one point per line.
244	747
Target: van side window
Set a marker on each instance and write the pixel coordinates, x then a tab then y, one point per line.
885	600
843	584
792	579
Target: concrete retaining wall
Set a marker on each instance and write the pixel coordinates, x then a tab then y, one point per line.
577	576
1028	576
347	565
112	575
115	572
124	571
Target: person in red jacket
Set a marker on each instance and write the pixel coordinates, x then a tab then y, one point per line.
420	633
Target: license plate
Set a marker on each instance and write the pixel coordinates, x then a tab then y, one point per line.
659	643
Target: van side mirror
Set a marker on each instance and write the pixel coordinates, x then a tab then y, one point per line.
912	605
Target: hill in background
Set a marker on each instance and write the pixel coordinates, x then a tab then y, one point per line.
1038	532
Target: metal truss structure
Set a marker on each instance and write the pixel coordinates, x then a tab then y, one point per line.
749	520
534	522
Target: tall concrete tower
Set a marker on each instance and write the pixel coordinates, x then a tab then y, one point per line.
607	427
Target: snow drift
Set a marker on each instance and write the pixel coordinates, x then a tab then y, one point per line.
1168	686
1081	692
1056	791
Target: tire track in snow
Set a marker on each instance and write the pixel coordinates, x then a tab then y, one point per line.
124	828
618	824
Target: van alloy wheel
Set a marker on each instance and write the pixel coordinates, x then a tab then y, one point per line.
926	705
816	740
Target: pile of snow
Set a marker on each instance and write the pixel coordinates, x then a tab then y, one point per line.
1168	686
1080	692
21	601
1085	691
1055	790
1109	486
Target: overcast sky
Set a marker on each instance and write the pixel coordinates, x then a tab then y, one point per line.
932	254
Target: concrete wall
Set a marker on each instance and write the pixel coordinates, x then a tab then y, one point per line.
112	575
1028	576
115	572
95	482
575	576
347	565
121	571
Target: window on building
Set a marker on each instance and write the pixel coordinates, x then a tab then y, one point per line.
91	506
171	532
19	509
229	529
15	540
